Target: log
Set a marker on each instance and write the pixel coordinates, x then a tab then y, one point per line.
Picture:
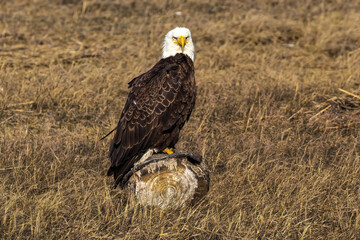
169	181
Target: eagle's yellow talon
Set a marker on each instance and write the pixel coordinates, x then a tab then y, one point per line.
168	151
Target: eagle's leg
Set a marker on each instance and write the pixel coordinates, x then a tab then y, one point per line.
168	151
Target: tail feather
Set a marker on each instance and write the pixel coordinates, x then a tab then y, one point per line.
120	171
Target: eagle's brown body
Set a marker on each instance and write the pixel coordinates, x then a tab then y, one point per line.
158	105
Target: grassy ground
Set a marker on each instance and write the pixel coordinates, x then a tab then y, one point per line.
281	140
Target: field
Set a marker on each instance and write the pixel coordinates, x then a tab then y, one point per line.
277	117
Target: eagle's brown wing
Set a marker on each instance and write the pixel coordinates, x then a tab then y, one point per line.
157	107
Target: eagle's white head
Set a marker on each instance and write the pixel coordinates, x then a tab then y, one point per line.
176	41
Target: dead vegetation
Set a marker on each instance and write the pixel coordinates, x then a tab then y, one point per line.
277	117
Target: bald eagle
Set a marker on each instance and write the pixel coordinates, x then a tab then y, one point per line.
158	105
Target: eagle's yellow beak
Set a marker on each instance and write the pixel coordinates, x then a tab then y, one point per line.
181	41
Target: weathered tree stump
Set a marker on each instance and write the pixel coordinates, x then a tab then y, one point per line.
169	181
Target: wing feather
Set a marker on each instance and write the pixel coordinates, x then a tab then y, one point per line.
150	110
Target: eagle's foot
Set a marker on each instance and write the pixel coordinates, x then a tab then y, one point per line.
168	151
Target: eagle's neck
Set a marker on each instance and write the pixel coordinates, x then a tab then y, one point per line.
172	49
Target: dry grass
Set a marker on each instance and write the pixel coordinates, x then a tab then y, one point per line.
282	141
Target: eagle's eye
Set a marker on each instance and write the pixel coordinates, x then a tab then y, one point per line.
187	38
175	38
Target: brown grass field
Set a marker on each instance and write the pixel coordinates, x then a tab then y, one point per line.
277	117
